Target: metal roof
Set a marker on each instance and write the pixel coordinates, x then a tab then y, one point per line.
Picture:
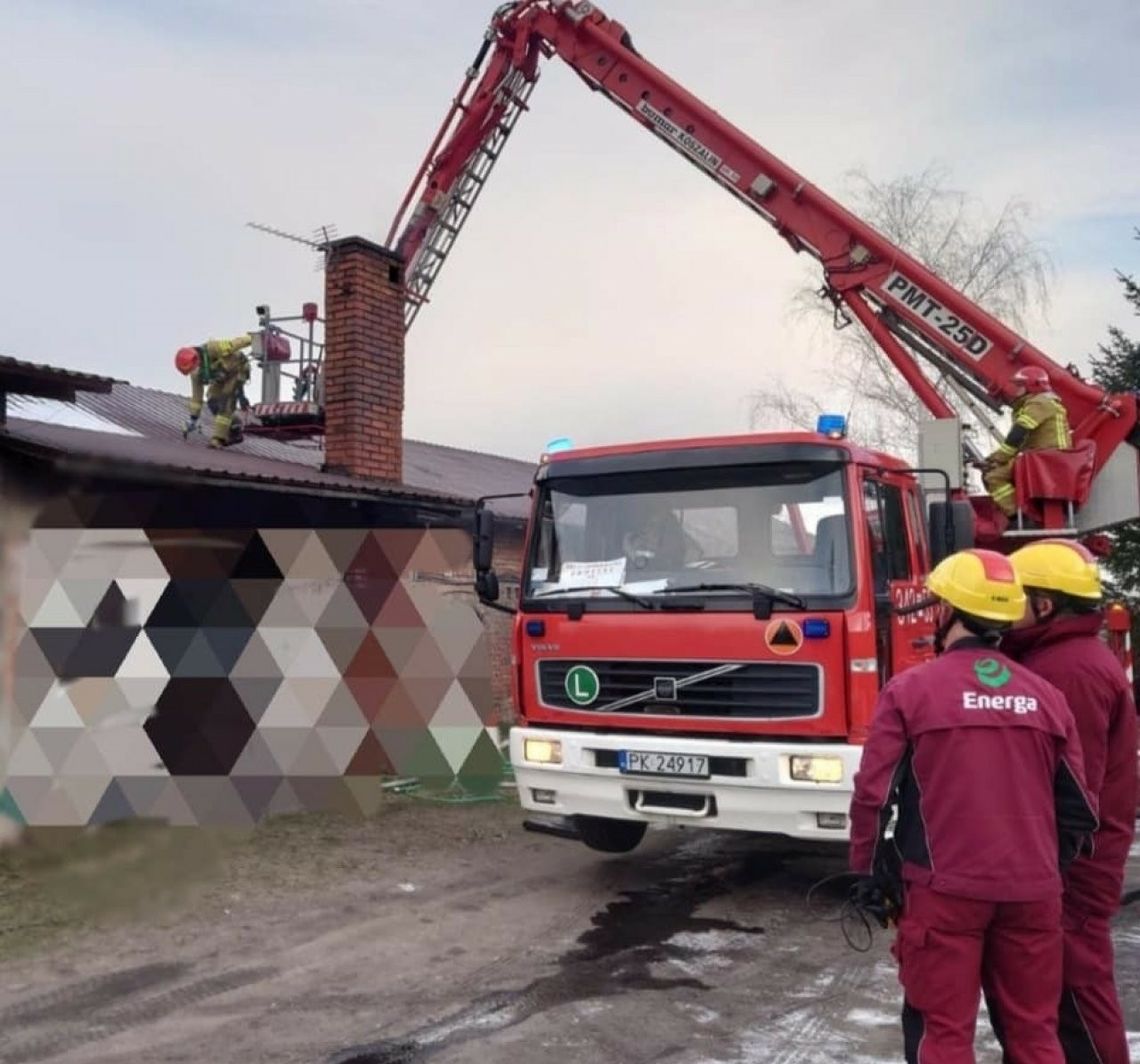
31	378
430	470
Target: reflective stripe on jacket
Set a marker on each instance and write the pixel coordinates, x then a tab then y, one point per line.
1039	421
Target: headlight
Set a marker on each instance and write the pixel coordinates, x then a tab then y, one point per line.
543	751
813	769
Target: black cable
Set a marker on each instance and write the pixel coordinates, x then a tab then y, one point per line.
849	913
823	883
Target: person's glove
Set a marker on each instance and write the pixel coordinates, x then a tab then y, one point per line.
190	426
869	897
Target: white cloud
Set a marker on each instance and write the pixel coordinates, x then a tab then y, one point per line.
603	289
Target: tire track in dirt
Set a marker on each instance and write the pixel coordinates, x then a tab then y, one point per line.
104	1023
88	993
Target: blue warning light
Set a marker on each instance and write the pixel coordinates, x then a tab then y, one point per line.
833	426
817	628
562	443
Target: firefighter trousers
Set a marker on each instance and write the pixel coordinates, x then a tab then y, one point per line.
998	480
948	947
1091	1023
222	400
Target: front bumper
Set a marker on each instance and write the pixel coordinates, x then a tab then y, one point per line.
759	794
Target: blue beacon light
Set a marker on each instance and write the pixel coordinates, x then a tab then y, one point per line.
833	426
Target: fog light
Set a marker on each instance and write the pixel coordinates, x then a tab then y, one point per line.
542	797
836	821
817	769
543	751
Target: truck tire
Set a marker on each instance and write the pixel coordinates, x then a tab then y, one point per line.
610	836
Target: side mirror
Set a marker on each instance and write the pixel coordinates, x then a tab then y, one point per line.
952	528
484	540
487	586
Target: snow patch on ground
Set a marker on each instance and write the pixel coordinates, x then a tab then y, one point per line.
593	1008
700	1013
872	1018
796	1039
708	941
1127	936
695	967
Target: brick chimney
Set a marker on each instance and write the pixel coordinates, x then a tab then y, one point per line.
364	361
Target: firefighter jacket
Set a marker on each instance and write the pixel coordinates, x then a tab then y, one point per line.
1039	421
222	367
984	762
1069	654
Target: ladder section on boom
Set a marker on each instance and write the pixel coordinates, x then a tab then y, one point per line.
442	233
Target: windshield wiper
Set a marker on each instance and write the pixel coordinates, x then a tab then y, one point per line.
753	589
629	596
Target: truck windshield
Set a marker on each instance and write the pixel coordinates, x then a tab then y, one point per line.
785	526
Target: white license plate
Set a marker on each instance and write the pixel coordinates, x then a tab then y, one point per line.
644	763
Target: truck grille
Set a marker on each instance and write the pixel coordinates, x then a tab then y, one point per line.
752	690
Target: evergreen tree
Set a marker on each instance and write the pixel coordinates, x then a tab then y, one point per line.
1117	368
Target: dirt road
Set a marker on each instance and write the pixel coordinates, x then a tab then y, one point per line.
449	935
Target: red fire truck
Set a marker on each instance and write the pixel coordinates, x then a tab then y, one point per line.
704	624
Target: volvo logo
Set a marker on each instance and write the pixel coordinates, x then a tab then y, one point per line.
665	689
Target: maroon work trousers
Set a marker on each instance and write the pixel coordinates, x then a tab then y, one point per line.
1091	1024
948	947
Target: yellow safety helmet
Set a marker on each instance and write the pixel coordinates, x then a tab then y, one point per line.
1061	565
979	583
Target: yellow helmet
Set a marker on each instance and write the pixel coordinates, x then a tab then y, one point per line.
979	583
1058	565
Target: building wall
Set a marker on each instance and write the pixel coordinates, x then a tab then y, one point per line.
196	667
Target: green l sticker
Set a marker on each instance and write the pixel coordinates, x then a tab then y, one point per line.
582	685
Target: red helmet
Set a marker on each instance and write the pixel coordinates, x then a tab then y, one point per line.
1034	378
186	360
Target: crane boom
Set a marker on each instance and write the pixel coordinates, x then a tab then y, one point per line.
910	312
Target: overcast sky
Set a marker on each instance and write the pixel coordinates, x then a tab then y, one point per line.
604	289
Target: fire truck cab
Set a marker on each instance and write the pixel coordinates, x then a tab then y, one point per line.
771	580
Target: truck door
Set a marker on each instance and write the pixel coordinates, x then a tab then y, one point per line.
898	562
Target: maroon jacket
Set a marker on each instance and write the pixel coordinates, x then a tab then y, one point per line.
984	761
1068	653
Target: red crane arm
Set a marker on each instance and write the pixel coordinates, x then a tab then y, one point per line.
908	310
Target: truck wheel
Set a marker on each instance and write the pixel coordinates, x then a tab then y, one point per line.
610	836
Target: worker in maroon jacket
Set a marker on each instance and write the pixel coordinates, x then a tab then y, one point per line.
983	760
1059	640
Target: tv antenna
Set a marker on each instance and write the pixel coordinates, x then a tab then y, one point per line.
321	240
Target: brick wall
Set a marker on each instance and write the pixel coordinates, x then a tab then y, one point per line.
364	361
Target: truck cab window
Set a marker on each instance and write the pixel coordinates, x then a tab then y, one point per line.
886	527
784	525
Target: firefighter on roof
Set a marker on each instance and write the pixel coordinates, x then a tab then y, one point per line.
1039	421
220	369
983	760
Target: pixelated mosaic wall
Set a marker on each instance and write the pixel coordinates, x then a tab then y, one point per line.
218	677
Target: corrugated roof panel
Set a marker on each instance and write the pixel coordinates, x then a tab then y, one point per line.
158	417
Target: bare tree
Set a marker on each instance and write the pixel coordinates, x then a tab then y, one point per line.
991	259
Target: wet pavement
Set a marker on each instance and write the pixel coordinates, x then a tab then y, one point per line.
698	948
